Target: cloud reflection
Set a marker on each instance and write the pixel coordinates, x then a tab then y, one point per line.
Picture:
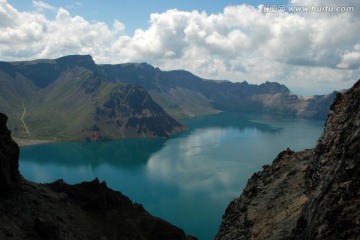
43	173
124	153
202	160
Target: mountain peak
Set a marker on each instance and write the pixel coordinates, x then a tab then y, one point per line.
79	60
273	87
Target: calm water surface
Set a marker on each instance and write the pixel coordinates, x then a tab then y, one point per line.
188	179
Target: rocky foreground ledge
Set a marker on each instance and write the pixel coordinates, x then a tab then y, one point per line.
313	194
56	211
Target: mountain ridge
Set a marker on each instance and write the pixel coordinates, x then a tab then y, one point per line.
172	89
74	89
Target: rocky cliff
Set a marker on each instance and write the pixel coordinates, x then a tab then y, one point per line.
313	194
56	211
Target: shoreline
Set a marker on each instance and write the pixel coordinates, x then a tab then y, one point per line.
31	142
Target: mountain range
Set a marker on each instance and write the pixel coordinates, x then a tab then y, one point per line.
42	97
183	94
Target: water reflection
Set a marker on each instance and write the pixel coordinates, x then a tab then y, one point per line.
231	120
125	153
198	162
208	131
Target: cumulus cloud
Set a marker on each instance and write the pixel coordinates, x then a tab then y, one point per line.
299	49
351	59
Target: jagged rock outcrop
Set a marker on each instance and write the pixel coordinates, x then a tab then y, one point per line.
9	153
59	211
313	194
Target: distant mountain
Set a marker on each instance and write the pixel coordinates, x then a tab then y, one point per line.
312	194
183	94
69	99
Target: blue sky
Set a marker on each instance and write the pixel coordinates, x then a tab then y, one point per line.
135	13
310	52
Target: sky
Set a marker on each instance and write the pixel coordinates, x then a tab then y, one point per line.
311	52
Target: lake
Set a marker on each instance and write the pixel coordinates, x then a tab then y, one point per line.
188	179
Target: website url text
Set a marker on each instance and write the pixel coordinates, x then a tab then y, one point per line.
273	8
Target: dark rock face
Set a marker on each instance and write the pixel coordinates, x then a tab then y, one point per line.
333	210
114	212
85	211
92	195
59	211
10	177
313	194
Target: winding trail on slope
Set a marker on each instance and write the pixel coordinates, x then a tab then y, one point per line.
22	119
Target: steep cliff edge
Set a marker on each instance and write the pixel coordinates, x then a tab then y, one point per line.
313	194
56	211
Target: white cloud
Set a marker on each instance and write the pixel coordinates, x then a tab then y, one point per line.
351	60
302	50
42	6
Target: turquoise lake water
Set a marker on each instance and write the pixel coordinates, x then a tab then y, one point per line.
188	179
